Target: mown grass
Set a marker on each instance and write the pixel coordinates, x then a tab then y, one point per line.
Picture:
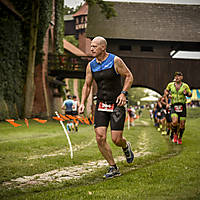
169	172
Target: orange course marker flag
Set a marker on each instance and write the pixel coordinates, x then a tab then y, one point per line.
40	120
26	121
79	118
92	119
65	118
71	117
75	121
11	121
86	120
58	118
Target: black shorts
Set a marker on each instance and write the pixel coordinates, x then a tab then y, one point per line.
116	118
68	112
74	113
179	110
160	115
168	117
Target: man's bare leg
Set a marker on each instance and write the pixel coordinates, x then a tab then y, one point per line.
101	136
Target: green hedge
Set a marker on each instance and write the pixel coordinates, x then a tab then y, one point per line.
12	65
14	42
59	26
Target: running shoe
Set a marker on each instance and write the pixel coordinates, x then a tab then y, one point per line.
175	139
179	141
129	153
112	172
164	133
158	129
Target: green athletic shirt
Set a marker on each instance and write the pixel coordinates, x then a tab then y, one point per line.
178	96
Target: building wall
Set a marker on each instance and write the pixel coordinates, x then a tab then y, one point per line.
69	27
84	43
151	63
142	49
155	73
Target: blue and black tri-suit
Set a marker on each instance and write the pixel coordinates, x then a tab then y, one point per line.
109	87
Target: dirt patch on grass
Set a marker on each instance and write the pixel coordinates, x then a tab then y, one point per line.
67	173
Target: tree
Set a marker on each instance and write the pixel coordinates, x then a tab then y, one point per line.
135	94
69	10
30	85
106	7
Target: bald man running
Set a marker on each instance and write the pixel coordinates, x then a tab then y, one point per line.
107	69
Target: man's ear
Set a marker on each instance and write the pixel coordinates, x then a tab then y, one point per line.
103	47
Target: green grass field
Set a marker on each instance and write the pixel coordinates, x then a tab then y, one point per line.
35	163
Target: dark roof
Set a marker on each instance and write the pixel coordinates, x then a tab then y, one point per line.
73	49
147	21
82	11
9	5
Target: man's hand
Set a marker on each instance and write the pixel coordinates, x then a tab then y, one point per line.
121	100
185	92
81	108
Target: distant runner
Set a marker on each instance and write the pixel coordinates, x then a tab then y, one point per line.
67	106
75	111
178	91
160	115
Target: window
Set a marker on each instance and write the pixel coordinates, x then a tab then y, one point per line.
146	48
77	20
125	48
82	20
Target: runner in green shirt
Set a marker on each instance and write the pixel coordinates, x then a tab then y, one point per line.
177	91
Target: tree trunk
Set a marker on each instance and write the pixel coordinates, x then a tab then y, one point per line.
30	85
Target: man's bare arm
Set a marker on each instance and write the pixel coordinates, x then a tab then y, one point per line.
166	96
123	70
86	88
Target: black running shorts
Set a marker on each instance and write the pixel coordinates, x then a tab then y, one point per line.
181	113
116	118
168	116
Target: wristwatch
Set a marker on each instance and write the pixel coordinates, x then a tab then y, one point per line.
124	92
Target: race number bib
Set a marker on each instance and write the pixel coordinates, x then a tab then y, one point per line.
178	108
106	107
